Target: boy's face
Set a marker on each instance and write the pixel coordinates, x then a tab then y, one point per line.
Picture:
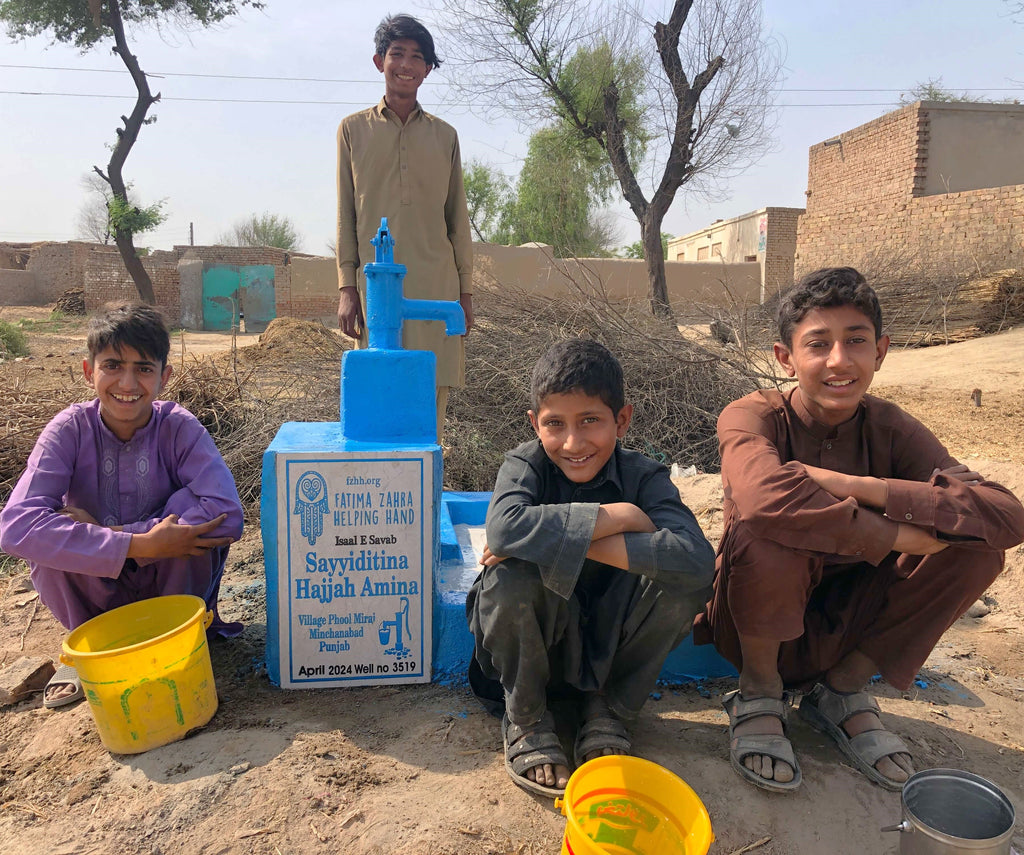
834	356
403	67
578	432
126	383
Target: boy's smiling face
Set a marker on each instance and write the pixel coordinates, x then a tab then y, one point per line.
834	357
403	67
578	432
126	383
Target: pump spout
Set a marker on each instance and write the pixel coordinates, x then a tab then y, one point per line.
437	310
386	308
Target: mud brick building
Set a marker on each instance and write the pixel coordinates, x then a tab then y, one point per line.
766	237
932	180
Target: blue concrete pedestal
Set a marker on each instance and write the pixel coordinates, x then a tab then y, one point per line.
350	540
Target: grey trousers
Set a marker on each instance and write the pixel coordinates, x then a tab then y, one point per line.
612	635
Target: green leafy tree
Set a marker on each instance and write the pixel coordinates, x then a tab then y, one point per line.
636	249
487	195
263	230
88	23
563	183
688	101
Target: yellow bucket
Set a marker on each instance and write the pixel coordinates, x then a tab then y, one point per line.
146	671
619	805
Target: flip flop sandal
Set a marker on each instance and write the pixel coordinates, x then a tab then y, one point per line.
827	711
772	745
531	746
63	676
601	729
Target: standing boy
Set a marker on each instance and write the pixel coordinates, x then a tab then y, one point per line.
852	541
125	497
592	573
399	162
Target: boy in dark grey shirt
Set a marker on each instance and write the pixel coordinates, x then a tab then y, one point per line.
593	570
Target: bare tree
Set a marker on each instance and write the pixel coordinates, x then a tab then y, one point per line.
86	24
93	220
695	115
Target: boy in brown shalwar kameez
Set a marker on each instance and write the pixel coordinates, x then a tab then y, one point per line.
852	541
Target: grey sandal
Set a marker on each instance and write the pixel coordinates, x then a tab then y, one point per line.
529	747
828	711
772	745
601	729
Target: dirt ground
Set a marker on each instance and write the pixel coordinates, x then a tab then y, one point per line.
417	770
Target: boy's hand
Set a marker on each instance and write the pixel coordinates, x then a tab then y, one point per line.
961	473
912	540
350	312
466	300
170	539
78	515
489	559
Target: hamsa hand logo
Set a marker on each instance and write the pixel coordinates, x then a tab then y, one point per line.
311	504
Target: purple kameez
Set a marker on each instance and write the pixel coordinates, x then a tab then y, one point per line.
169	466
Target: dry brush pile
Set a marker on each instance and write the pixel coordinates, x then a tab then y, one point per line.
677	387
243	396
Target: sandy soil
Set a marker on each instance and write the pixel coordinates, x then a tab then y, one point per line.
418	770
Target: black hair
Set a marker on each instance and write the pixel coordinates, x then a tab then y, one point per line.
395	27
136	325
578	365
827	288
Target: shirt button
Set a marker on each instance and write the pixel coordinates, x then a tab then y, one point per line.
910	516
859	552
828	445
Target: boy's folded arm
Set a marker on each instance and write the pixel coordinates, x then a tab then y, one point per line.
554	537
32	527
783	503
208	488
946	506
673	549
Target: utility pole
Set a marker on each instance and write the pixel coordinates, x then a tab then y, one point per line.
191	234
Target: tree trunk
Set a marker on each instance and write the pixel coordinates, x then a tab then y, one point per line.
654	258
125	140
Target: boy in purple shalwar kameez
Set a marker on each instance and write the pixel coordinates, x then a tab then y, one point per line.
124	497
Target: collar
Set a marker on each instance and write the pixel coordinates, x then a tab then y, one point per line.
385	112
609	474
110	436
817	429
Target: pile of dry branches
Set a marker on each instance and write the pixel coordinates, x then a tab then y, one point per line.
922	311
244	395
677	387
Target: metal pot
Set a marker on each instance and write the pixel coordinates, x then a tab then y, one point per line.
949	812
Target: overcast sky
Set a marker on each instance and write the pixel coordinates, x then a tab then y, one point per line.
216	156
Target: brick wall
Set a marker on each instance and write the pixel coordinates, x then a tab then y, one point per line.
59	266
866	204
309	291
780	250
19	288
106	281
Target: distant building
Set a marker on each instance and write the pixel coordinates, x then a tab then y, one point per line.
931	181
766	236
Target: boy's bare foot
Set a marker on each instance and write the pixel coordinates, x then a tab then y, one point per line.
602	733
